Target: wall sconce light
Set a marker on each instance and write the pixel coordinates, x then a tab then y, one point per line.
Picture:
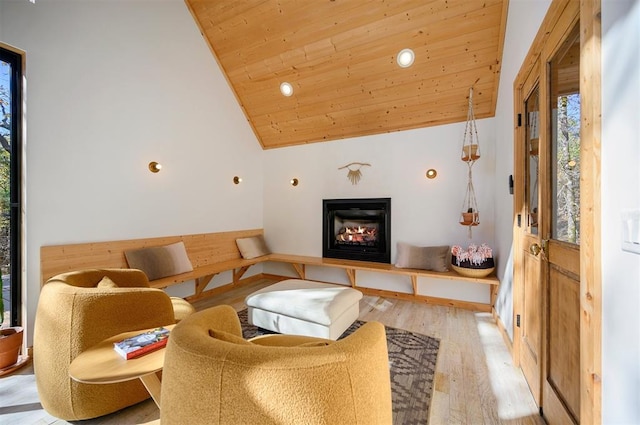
237	180
431	173
154	167
294	182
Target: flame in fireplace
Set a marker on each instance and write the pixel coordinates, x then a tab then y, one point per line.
357	234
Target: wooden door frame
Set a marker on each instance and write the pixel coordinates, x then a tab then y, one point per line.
18	190
590	213
590	210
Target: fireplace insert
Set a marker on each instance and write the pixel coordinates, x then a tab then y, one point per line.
357	229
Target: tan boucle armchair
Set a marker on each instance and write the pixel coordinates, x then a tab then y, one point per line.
74	313
212	376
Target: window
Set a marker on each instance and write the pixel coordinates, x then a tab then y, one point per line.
10	183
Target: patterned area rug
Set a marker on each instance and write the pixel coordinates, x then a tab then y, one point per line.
412	359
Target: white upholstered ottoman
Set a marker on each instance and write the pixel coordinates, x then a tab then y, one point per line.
302	307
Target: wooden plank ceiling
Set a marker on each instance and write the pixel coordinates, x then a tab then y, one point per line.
340	58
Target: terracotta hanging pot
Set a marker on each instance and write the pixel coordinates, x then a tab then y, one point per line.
470	219
10	345
470	152
533	147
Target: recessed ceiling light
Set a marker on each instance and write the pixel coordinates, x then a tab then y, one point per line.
405	58
286	89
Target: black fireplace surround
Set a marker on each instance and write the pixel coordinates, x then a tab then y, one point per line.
357	229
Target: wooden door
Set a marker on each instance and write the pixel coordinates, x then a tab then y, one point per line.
547	225
529	318
563	281
561	227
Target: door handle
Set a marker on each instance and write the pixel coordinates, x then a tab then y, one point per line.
535	249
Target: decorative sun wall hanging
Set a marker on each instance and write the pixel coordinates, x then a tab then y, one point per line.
354	173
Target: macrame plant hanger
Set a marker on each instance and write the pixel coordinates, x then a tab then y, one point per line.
470	215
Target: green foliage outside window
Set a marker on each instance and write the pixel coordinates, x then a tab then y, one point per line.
5	166
568	169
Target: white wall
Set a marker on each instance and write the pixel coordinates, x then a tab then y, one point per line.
112	86
524	19
620	192
424	212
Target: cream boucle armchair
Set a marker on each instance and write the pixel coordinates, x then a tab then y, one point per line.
77	310
212	376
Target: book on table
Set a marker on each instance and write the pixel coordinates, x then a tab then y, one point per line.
142	343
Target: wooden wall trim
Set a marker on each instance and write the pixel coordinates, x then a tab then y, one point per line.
590	214
503	33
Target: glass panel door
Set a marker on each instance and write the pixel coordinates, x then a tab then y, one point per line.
562	183
532	133
565	148
527	239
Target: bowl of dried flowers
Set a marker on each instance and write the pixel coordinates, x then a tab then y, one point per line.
475	261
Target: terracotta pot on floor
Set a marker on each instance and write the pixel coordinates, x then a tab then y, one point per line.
10	344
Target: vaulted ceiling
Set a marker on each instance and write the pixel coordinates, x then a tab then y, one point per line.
340	58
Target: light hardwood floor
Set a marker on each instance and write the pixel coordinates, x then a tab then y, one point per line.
475	383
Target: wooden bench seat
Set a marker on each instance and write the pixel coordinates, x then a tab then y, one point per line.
209	253
214	253
202	275
299	263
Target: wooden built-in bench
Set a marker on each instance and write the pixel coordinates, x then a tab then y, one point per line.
299	263
209	253
213	253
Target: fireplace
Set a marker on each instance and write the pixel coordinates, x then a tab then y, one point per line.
357	229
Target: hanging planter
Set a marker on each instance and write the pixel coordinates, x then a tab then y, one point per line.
470	142
470	152
470	216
